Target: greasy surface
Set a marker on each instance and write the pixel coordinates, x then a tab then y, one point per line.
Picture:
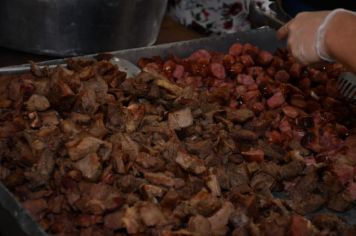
194	146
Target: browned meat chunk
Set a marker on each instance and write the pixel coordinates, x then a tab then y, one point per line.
190	163
114	220
160	179
90	166
198	145
151	215
132	221
42	170
219	220
98	198
79	149
276	100
240	115
200	225
37	103
256	155
180	119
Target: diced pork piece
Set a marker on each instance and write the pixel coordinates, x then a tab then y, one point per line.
298	101
295	70
160	179
239	115
49	118
117	158
247	60
42	170
219	220
98	198
343	172
205	203
241	90
180	119
290	111
299	226
178	72
37	103
151	215
202	148
87	102
61	95
218	70
79	149
35	120
213	185
237	68
265	58
114	220
282	76
129	147
152	190
200	225
80	118
246	80
235	49
190	163
132	221
254	155
200	55
169	86
90	166
351	190
228	61
135	114
86	220
341	201
276	100
170	199
98	129
55	204
169	66
69	127
285	127
250	49
255	71
147	161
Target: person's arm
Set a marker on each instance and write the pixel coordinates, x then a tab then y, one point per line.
340	39
313	36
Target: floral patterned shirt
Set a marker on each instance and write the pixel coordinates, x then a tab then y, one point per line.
214	16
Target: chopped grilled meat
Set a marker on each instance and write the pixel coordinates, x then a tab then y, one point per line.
180	119
90	166
190	163
190	146
37	103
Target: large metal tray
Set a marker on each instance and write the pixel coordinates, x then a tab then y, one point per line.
18	221
263	37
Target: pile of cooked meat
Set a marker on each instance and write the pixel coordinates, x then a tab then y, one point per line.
242	143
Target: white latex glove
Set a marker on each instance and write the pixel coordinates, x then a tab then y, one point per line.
306	35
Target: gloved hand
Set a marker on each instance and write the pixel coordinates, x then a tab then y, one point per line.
306	35
302	35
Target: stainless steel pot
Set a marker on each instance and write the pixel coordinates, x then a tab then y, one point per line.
74	27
